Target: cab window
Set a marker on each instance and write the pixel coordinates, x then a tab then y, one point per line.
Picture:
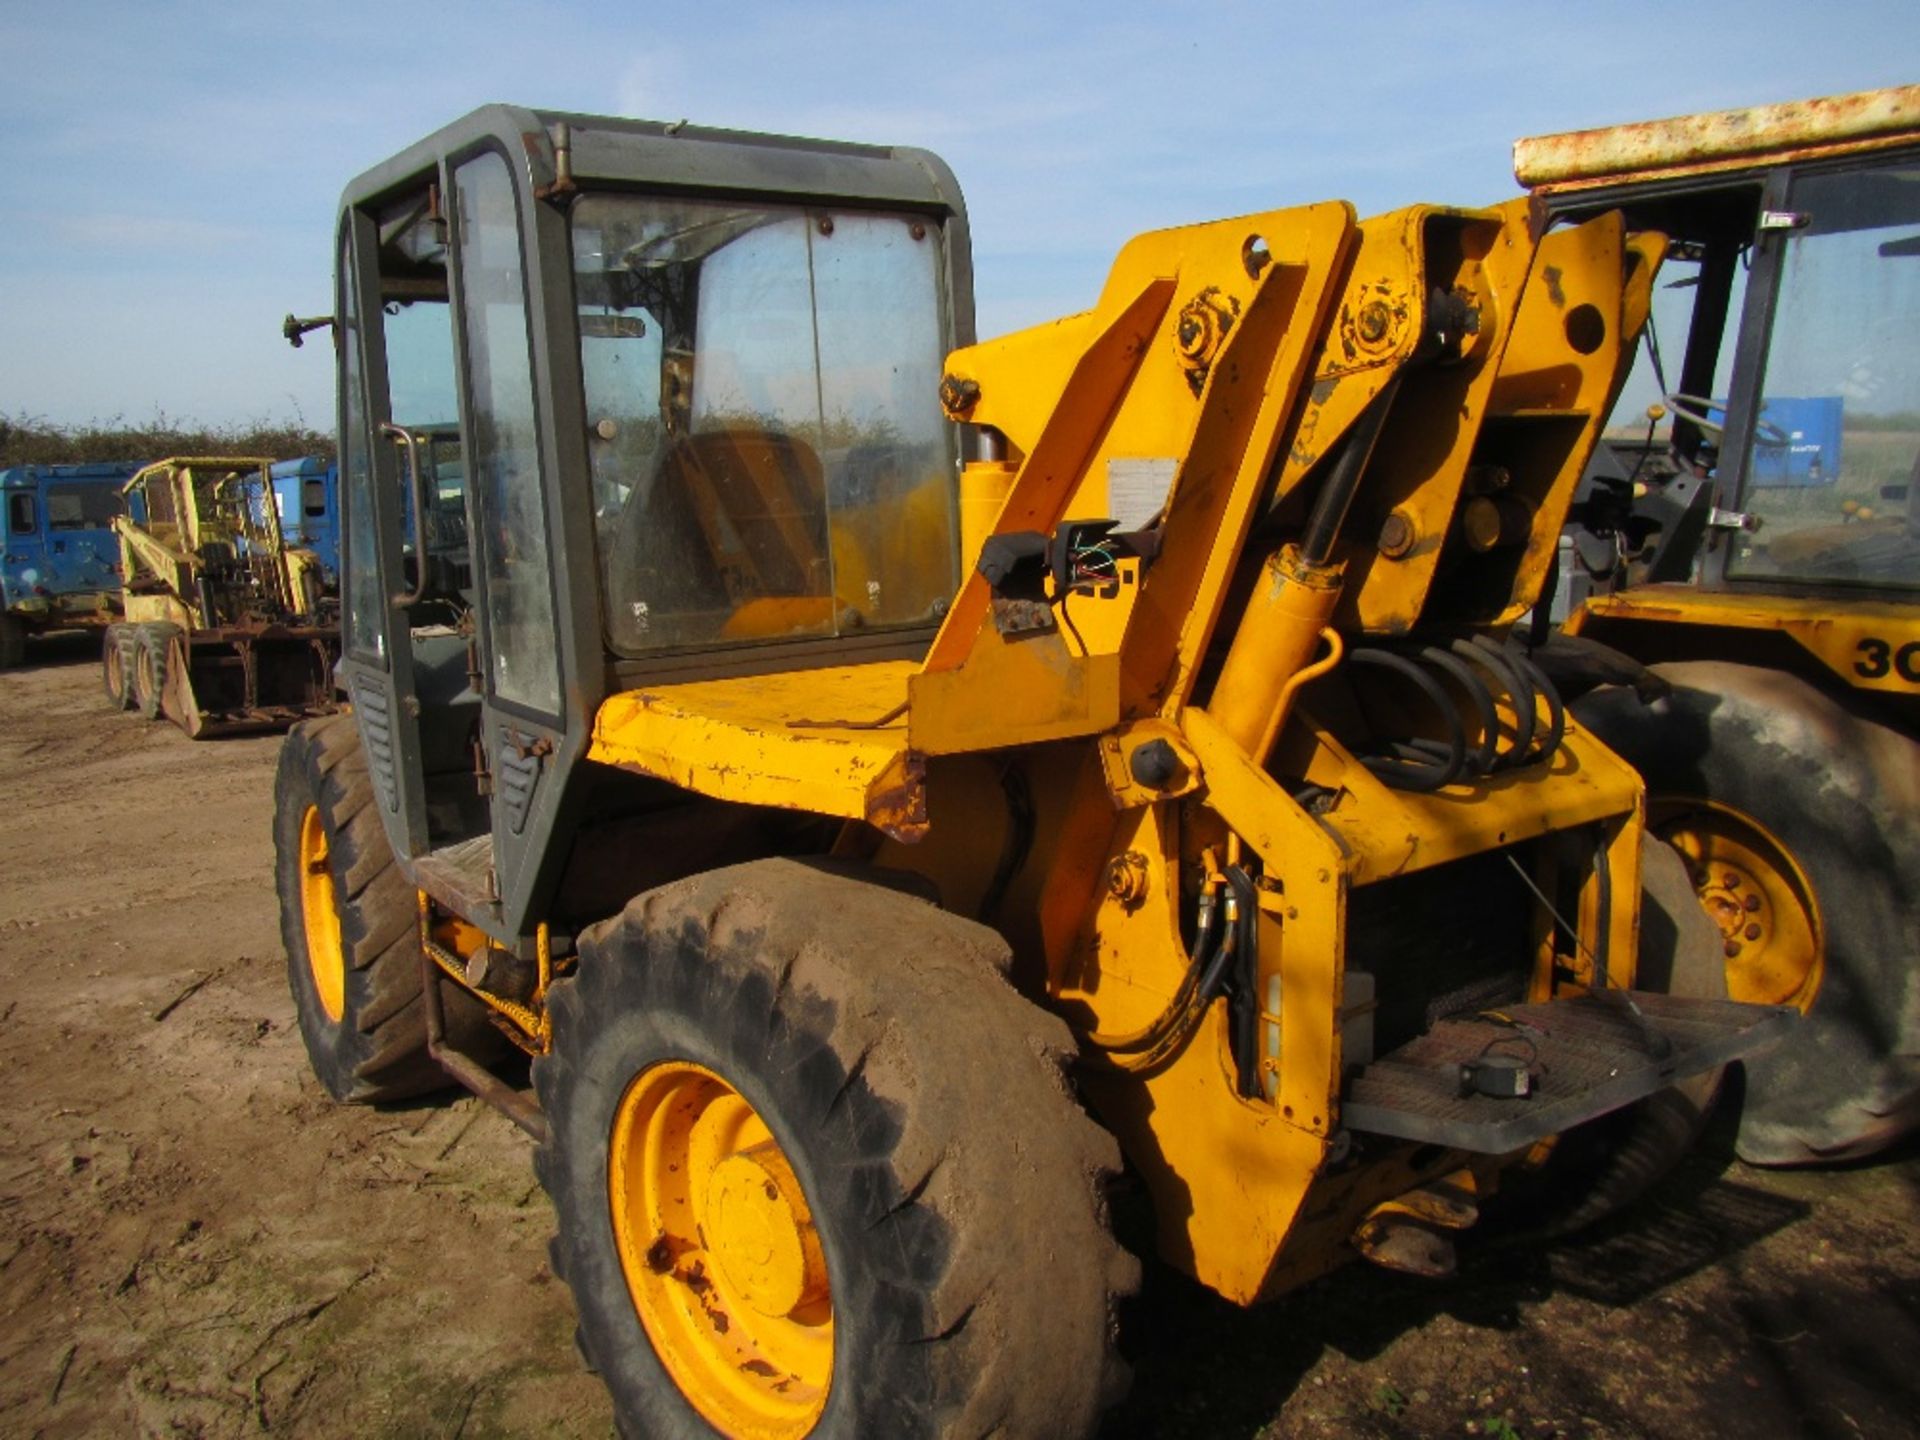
768	454
1829	475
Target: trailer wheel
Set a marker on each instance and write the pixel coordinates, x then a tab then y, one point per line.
116	666
817	1171
13	641
350	924
1800	824
153	648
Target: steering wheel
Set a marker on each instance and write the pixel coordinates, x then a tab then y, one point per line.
1695	409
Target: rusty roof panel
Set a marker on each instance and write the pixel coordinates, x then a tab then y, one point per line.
1721	137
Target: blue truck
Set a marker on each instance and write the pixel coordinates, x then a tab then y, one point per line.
60	566
307	494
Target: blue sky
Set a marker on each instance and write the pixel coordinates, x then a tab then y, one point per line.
175	165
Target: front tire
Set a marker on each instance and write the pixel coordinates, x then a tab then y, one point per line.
926	1252
350	923
1798	821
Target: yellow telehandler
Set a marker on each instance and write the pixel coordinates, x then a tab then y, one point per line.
896	788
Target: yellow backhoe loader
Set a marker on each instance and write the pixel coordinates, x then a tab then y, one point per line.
1755	543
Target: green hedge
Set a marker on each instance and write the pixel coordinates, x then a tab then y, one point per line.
28	440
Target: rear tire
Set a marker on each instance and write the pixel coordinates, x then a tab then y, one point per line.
355	974
153	650
116	669
13	641
919	1111
1756	762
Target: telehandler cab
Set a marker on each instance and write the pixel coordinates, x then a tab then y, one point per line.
1758	546
894	787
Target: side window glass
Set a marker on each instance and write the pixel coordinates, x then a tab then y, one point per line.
366	599
890	472
1830	474
423	397
503	442
20	516
1665	338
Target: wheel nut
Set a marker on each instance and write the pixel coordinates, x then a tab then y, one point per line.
1752	902
1732	948
1753	932
1732	881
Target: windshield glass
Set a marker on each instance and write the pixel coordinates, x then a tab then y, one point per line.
1830	476
768	454
82	507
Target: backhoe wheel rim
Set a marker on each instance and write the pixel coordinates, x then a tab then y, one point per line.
721	1257
321	917
1755	891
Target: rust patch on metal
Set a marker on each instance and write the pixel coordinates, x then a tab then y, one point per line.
1718	137
1555	292
897	801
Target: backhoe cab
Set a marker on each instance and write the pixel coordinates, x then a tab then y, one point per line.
829	829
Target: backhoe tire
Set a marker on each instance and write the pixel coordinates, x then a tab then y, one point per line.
153	653
13	642
1814	812
1606	1165
350	923
116	666
919	1152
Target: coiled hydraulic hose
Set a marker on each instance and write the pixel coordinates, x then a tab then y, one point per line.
1424	764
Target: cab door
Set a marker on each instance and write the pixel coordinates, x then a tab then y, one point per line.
452	655
506	417
376	466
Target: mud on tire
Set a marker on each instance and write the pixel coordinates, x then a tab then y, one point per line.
957	1188
377	1049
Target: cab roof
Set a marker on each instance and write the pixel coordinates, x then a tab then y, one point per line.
1720	140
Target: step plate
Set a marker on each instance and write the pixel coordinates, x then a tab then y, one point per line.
1587	1055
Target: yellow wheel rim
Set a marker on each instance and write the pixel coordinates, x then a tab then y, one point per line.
321	917
1758	895
720	1253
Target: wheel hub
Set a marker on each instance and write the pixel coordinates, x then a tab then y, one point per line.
760	1230
320	917
720	1253
1756	893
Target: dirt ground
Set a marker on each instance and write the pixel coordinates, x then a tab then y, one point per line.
195	1242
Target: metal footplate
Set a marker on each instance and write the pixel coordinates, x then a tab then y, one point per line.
1570	1060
